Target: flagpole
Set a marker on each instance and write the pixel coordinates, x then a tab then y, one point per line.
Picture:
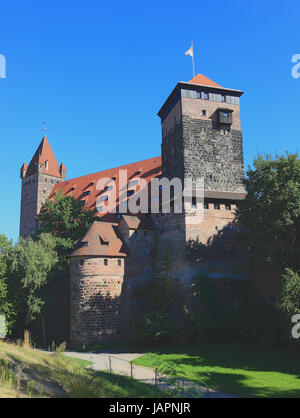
193	60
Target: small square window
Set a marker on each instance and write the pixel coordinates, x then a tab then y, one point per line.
105	262
228	206
217	206
203	112
225	114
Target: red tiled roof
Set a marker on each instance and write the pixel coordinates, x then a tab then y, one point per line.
85	188
102	239
44	153
203	81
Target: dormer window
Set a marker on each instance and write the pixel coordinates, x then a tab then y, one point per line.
133	183
103	242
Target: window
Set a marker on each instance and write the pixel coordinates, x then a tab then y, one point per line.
82	262
223	98
203	112
228	206
138	172
108	188
198	95
194	203
206	205
130	193
124	204
83	202
217	206
46	165
103	198
133	183
86	193
100	208
119	216
106	262
205	96
119	264
103	242
225	114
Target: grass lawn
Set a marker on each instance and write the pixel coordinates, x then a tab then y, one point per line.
26	372
235	369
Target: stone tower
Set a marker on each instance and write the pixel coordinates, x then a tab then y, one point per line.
38	180
202	136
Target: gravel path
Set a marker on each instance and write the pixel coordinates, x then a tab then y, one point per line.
119	363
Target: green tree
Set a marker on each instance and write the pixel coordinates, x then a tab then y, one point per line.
64	217
6	306
270	213
30	262
289	301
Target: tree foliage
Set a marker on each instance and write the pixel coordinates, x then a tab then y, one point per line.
6	307
64	217
271	211
289	301
29	265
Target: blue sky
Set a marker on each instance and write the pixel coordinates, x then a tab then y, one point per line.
98	72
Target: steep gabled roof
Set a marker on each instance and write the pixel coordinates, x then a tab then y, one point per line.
86	188
44	153
202	80
102	239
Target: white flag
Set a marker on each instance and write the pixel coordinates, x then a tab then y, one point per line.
190	52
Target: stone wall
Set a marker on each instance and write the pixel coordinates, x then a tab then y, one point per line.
96	299
35	190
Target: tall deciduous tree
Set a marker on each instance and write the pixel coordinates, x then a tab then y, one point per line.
271	212
30	263
6	307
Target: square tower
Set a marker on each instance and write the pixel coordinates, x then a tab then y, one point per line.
38	180
202	137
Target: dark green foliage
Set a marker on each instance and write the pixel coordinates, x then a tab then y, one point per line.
6	307
211	318
289	301
29	264
271	212
65	218
158	309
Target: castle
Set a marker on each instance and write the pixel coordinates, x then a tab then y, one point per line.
201	138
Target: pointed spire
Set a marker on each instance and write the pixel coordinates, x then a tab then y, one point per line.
23	170
44	161
63	171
